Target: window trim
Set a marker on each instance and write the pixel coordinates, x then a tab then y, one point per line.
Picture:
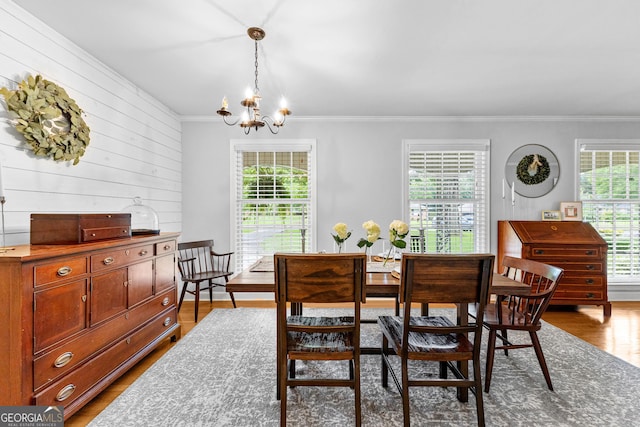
274	145
453	145
628	285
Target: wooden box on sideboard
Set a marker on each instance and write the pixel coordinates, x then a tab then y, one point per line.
67	229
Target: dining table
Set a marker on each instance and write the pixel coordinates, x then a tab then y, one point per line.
381	282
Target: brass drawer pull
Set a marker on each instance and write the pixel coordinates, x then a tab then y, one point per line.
167	321
65	392
63	359
538	252
166	247
589	281
125	231
64	271
590	252
165	301
108	260
589	295
142	252
589	267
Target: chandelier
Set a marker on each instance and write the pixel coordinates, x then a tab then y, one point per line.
251	117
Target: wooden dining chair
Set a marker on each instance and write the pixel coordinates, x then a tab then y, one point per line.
201	266
322	279
428	278
521	312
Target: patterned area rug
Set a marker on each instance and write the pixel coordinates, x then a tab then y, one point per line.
223	373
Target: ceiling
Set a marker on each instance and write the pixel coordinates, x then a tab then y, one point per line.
360	58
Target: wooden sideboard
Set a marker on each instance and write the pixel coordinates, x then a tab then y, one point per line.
572	245
76	317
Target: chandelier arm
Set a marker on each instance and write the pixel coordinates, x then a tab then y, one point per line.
224	118
277	128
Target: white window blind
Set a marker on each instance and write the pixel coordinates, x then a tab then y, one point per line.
609	184
272	202
447	195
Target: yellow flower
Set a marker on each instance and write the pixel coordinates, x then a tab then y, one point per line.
398	229
373	231
341	230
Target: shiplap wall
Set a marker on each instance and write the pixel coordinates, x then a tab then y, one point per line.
135	147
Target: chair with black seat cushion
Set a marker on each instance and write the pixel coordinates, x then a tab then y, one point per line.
427	278
521	312
321	279
201	266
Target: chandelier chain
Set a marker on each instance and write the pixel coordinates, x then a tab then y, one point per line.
257	89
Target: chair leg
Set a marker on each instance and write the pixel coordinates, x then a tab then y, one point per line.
197	295
385	369
478	390
357	392
282	389
543	364
184	291
443	370
491	348
211	285
505	341
405	392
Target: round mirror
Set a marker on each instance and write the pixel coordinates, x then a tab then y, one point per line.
532	170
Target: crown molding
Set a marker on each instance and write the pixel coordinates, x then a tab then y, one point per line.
427	119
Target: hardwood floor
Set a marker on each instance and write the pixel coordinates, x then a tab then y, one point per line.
618	335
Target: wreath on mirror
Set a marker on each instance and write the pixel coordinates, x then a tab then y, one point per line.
533	169
49	120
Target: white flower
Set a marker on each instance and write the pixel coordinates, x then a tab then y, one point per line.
341	230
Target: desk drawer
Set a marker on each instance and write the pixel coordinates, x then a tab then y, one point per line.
562	252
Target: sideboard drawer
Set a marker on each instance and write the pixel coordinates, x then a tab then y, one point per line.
63	269
117	258
72	386
67	356
165	247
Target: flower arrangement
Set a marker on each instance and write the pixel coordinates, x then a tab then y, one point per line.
398	230
342	234
373	234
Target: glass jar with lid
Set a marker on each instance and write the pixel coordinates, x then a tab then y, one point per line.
144	220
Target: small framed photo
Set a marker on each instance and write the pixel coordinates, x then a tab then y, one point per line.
551	216
571	211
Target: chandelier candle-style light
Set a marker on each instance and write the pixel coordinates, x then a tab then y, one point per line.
251	117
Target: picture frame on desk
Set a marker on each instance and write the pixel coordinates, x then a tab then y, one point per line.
551	216
571	211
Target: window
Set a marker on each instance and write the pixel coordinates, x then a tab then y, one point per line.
273	199
446	192
609	180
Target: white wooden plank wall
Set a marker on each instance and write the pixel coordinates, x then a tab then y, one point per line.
135	147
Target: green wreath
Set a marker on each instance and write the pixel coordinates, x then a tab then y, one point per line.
49	120
529	175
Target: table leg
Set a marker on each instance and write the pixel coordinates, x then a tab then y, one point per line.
463	319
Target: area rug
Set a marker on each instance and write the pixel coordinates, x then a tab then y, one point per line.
223	373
